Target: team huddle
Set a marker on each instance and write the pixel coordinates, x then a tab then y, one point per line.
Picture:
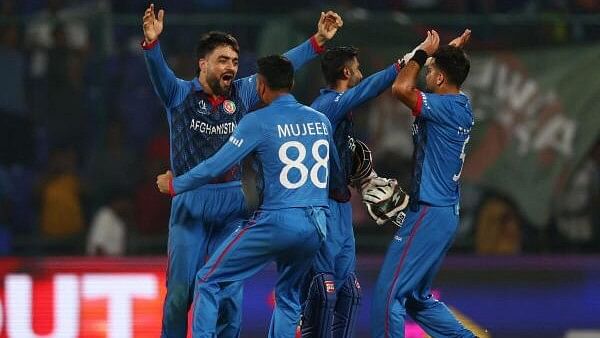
275	185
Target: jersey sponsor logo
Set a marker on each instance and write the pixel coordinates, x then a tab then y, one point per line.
210	129
229	107
302	129
236	141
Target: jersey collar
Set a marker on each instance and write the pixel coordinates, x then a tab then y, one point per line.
285	98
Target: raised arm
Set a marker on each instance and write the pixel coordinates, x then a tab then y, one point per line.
365	90
244	139
169	88
327	27
405	85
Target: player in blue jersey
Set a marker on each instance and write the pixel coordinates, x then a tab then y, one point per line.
202	114
443	122
291	144
331	311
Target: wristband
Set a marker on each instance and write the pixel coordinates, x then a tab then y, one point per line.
420	57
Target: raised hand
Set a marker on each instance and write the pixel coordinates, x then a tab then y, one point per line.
327	27
462	40
431	43
153	25
163	182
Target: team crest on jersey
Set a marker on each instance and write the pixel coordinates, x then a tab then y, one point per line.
229	106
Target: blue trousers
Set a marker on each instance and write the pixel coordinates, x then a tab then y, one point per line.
290	237
337	255
404	284
200	221
337	258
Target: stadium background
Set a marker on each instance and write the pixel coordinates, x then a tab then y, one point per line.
83	133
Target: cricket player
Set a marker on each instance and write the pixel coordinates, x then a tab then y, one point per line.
441	131
291	144
202	114
334	293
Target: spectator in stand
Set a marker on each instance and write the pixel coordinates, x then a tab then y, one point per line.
108	231
498	228
62	219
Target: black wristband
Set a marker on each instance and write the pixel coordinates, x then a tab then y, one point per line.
420	57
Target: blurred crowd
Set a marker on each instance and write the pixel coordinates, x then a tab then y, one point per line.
84	135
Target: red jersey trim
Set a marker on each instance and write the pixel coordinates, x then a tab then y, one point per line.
419	106
147	46
171	189
318	49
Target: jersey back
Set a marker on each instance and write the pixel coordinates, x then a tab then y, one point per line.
293	154
441	132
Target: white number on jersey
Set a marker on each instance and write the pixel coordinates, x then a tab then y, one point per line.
322	162
462	159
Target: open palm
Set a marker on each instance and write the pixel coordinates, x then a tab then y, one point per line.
153	25
328	24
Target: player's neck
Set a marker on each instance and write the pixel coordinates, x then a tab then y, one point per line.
340	86
272	95
447	90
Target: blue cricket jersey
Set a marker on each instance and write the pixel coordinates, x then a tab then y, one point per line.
338	108
441	132
290	141
199	125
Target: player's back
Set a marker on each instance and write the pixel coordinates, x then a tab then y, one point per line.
294	154
343	135
441	133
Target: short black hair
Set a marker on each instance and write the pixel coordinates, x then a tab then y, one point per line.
334	60
453	62
277	70
211	40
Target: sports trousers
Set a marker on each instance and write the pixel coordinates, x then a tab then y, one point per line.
290	237
200	221
404	284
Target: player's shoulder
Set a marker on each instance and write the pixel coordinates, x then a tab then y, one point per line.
445	101
327	100
248	80
315	113
327	96
312	116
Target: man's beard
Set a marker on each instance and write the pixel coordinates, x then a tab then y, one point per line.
215	85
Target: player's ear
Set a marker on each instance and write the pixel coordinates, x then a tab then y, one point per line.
441	78
347	72
202	64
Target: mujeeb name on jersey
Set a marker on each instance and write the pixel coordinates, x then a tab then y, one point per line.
302	129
